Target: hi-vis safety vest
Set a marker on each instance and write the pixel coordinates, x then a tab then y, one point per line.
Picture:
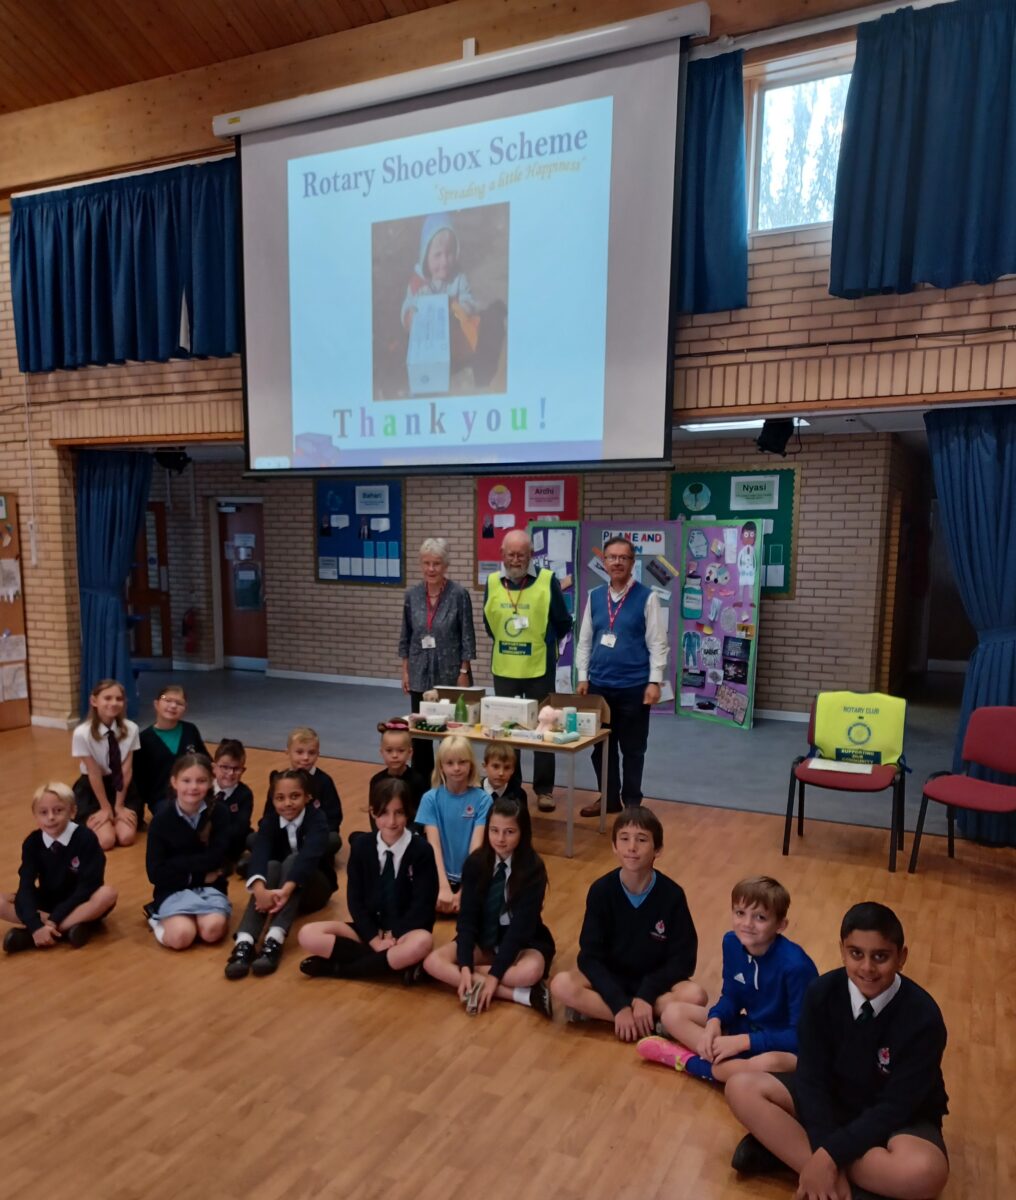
518	620
863	727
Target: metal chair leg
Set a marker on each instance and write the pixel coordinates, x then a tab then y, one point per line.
917	835
950	815
902	818
800	808
894	822
790	814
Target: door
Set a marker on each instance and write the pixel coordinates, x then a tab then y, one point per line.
241	568
148	611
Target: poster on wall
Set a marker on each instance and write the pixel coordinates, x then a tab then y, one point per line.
359	535
768	495
506	502
657	559
556	546
719	620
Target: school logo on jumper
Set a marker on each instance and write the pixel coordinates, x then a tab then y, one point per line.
659	930
234	807
883	1060
75	863
470	811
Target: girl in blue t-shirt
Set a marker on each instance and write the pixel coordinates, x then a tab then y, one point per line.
453	814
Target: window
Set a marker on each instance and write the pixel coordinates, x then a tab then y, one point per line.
796	108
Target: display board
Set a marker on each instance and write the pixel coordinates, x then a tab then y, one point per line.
360	531
556	546
507	502
14	703
657	545
768	495
719	620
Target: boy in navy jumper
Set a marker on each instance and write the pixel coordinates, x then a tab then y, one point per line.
866	1103
234	795
60	893
304	748
638	944
753	1025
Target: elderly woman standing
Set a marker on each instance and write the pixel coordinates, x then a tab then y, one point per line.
436	643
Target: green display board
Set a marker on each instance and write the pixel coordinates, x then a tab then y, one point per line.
766	494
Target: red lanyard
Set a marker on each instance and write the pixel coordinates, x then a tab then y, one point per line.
518	593
432	609
611	611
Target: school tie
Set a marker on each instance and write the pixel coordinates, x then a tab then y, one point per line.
866	1013
493	906
386	904
115	761
219	797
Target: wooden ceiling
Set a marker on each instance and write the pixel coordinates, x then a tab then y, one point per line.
52	50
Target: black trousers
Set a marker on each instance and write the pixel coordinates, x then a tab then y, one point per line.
423	748
531	689
629	736
314	894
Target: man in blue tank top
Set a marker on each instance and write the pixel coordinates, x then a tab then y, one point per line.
621	656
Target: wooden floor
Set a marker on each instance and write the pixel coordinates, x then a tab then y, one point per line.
130	1071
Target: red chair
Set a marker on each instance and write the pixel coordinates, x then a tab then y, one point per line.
892	775
990	741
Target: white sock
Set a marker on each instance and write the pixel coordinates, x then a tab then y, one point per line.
277	933
244	937
523	996
157	929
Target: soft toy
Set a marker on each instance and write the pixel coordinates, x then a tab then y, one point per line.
550	720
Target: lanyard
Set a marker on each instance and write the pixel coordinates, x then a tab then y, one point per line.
518	594
432	609
611	610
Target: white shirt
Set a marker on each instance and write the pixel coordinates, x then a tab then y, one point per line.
398	850
290	828
881	1000
64	838
656	637
194	818
221	793
83	745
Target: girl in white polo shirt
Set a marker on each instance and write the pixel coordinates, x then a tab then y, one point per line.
104	745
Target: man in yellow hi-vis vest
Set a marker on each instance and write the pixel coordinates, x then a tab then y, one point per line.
526	616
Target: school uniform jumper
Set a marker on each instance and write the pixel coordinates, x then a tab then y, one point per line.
154	759
310	866
414	899
56	875
859	1082
520	925
627	952
762	996
324	798
178	856
238	802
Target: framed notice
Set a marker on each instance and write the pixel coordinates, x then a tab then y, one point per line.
507	502
360	532
767	496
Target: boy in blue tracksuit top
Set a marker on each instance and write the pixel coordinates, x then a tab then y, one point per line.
753	1025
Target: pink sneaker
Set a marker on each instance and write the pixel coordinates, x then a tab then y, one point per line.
666	1053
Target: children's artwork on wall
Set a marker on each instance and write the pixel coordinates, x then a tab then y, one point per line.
556	546
360	535
767	497
507	502
719	620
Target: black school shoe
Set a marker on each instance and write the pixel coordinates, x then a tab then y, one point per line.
239	964
267	962
750	1157
18	939
78	935
317	967
539	999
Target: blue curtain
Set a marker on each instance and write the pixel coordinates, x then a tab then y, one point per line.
712	242
112	495
926	187
973	454
142	268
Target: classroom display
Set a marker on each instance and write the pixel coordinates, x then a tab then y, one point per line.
656	565
768	496
507	502
556	547
360	535
719	620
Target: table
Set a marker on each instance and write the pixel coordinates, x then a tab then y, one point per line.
568	749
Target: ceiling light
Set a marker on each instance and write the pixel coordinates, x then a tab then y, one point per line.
723	426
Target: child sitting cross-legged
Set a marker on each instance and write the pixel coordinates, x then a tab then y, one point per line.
753	1025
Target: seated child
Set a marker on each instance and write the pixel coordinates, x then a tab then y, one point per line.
61	895
186	859
396	748
391	892
638	945
502	947
228	766
162	743
292	871
452	815
104	745
499	765
304	749
866	1103
753	1025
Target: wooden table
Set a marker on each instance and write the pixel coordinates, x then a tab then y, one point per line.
568	749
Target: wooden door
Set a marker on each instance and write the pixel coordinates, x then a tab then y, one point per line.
241	567
148	611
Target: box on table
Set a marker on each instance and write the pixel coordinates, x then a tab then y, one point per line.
497	710
592	711
471	695
428	357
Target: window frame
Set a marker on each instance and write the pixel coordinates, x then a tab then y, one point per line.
761	77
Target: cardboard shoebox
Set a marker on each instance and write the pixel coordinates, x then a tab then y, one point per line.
471	695
592	711
497	710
